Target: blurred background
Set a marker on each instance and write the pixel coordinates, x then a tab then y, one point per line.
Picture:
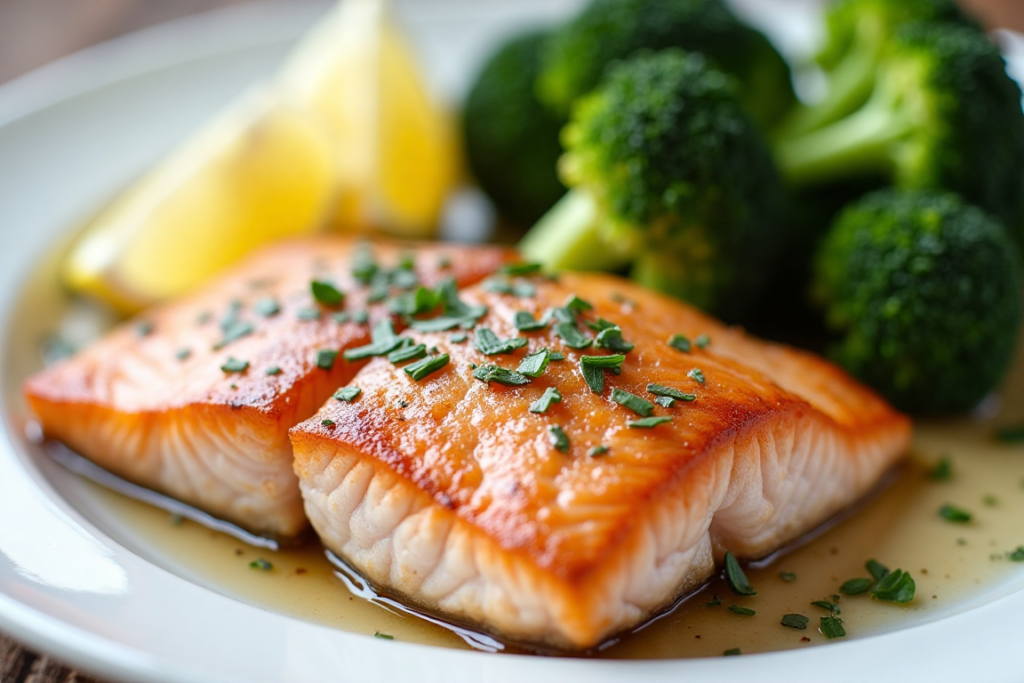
34	32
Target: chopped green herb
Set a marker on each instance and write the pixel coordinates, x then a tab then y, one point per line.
745	611
557	355
325	358
797	621
261	564
347	394
361	317
1016	555
696	374
525	322
364	265
788	577
560	314
877	570
1012	434
267	307
520	268
832	627
952	513
735	577
856	586
380	285
455	312
665	401
340	317
661	390
943	470
404	278
574	303
234	386
702	341
502	285
490	344
558	438
383	341
679	342
327	422
611	338
420	300
326	293
493	373
183	354
204	318
571	335
534	364
714	602
427	366
734	652
308	314
649	422
144	328
232	364
638	405
989	500
542	404
593	368
406	260
897	586
383	636
233	331
597	451
408	353
599	325
273	370
458	338
826	604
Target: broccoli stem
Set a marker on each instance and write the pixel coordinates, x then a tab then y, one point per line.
861	143
569	237
849	86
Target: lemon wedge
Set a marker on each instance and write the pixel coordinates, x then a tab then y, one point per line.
395	147
345	136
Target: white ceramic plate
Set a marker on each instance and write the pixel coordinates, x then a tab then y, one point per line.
74	132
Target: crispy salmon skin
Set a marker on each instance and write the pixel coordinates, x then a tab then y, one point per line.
559	522
195	398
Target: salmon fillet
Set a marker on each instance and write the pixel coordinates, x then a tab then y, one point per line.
158	402
449	493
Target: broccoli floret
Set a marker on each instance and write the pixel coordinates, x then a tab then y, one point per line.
857	33
610	30
668	173
943	114
926	293
511	140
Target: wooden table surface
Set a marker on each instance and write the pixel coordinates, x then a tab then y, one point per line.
34	32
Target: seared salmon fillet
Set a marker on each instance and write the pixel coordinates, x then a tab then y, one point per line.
559	522
194	399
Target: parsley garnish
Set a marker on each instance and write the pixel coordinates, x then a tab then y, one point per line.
696	374
633	402
649	422
735	577
234	330
361	317
714	602
599	325
427	366
574	303
261	564
702	341
877	570
744	611
267	307
455	312
897	586
990	500
557	355
340	317
520	268
490	344
832	627
525	322
364	266
611	338
542	404
856	586
347	394
232	364
534	364
458	338
404	278
732	652
325	358
558	438
1016	555
421	300
326	293
327	422
825	604
662	390
493	373
384	341
383	636
597	451
571	335
952	513
308	314
943	470
679	342
593	368
273	370
665	401
797	621
408	353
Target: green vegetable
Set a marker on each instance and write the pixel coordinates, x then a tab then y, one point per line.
897	586
420	300
525	322
925	293
696	208
856	586
559	439
1016	555
408	353
347	394
326	293
534	364
542	404
383	341
735	577
702	341
633	402
593	368
942	114
427	366
489	344
797	621
788	577
611	338
665	401
572	336
954	514
732	652
511	140
877	570
607	31
832	627
493	373
826	604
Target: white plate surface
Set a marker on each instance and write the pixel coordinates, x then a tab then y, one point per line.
74	132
